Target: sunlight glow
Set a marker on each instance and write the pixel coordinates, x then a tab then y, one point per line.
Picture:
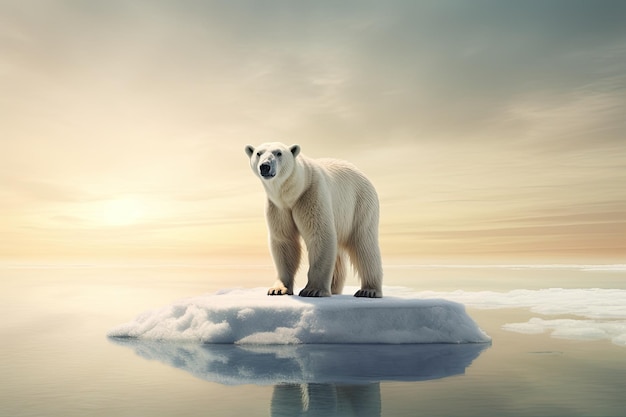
121	212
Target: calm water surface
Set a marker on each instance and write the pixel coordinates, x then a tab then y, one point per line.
55	358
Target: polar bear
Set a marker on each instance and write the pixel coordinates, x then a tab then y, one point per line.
332	206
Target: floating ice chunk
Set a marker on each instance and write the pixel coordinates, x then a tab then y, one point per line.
594	303
602	311
533	326
620	340
614	330
251	317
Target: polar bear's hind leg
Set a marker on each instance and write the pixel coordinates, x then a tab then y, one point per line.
339	273
365	257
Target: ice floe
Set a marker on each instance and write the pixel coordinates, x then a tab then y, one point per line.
249	316
601	313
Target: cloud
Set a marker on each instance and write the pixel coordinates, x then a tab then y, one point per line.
487	111
45	191
333	74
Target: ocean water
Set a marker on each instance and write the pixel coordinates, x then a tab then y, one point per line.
558	348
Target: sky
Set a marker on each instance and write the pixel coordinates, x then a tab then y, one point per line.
491	129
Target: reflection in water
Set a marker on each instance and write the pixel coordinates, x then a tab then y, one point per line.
326	400
298	364
314	379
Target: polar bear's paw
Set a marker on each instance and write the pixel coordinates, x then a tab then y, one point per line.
279	290
314	292
369	293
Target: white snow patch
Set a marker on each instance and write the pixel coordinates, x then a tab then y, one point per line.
602	311
251	317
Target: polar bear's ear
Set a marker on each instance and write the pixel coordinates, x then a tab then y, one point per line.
295	150
249	150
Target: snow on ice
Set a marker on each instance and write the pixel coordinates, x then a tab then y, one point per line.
403	316
249	316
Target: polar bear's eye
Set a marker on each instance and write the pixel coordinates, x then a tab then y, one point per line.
279	154
258	154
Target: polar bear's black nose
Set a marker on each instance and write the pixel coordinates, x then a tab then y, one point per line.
265	169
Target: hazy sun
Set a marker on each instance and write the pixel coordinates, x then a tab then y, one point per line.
122	211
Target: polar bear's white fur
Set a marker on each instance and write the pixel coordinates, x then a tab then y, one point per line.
332	206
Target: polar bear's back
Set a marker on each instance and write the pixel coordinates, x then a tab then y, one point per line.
345	177
354	198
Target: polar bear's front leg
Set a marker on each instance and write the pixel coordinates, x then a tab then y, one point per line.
314	219
286	256
322	257
285	248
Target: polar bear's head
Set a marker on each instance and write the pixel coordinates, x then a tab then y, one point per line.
272	160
